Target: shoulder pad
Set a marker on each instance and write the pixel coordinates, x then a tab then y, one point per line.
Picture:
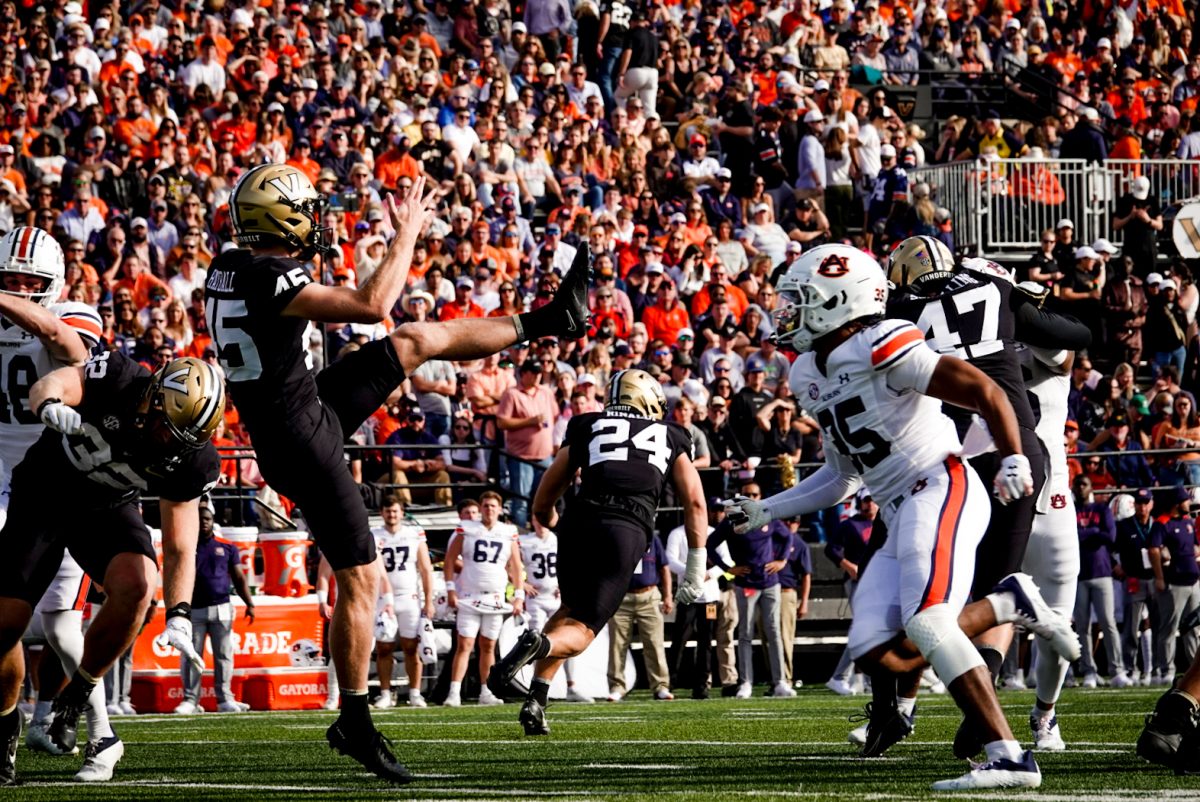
891	340
81	317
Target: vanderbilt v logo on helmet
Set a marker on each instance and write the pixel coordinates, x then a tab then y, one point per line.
638	391
276	203
919	260
187	398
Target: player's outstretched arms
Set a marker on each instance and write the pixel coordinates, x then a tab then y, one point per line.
823	488
964	385
62	341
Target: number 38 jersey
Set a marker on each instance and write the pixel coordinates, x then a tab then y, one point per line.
485	554
262	352
868	399
625	461
111	462
540	557
398	550
24	360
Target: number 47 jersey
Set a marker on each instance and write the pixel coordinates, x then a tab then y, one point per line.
625	460
869	399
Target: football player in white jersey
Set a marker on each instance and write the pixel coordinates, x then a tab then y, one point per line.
1052	556
39	335
539	554
491	560
404	559
876	390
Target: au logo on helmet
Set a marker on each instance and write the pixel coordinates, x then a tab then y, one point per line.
834	266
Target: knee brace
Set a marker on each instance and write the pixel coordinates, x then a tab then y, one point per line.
936	633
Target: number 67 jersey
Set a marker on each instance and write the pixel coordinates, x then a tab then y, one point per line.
869	400
625	460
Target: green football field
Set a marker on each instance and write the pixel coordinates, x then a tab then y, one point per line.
639	749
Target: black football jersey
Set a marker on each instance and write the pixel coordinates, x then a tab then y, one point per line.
625	460
262	352
980	318
111	462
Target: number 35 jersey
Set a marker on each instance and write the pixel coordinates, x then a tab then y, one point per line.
262	352
398	550
625	461
111	462
485	554
869	401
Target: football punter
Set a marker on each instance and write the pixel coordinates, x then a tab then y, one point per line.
113	432
261	300
39	335
875	390
626	454
974	312
409	576
491	559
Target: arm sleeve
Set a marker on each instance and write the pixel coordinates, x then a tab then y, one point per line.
1036	326
823	488
675	541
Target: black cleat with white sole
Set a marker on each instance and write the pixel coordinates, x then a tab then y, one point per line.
10	739
371	749
571	299
533	718
502	679
885	729
1175	716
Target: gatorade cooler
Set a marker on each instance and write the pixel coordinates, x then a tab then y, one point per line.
245	540
156	539
284	572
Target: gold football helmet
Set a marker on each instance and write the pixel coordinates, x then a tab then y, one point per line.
918	260
639	391
184	402
278	203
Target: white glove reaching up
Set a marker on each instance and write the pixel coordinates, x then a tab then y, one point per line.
62	418
1014	480
179	634
746	514
692	586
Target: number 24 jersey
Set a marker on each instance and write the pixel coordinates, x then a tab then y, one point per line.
869	402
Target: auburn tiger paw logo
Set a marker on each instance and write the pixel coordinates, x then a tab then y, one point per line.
834	266
1058	501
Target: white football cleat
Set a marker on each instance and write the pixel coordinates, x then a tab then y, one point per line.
931	682
1046	735
1122	680
37	740
489	699
574	695
614	696
782	691
127	710
1090	681
452	700
839	686
384	701
188	708
415	699
745	691
1038	617
857	736
1002	773
114	709
101	757
232	706
664	695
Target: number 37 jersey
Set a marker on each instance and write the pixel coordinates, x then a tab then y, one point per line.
869	401
398	550
625	460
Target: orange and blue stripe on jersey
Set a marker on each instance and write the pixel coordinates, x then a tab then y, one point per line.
86	322
898	340
941	571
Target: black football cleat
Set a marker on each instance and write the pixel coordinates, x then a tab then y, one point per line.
967	743
533	718
10	738
1174	718
372	750
64	723
572	296
885	729
502	679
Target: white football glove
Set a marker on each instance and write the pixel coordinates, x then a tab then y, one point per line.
692	586
746	514
62	418
179	634
1014	480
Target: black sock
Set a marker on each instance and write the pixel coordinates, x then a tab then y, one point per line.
545	321
355	711
994	659
77	691
539	691
10	724
883	691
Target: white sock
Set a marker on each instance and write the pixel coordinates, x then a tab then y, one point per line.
1041	714
41	711
1003	749
456	688
1005	606
98	724
414	693
906	706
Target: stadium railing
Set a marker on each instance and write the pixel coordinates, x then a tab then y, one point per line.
999	207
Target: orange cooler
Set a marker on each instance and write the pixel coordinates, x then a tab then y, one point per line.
284	571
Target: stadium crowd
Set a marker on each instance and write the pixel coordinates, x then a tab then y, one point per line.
697	148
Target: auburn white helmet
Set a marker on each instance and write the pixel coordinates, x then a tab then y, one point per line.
988	268
825	289
918	260
386	627
1122	507
305	653
29	251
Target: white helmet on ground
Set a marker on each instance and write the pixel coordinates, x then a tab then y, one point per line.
386	627
825	289
30	251
305	653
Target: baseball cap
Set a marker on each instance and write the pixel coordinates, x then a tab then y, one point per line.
678	217
519	27
821	85
309	83
374	215
682	361
1091	114
1071	424
1104	246
7	149
277	106
587	378
554	228
464	281
794	247
1104	43
717	401
1154	279
1143	495
1066	222
1141	187
724	172
1086	252
642	229
685	333
96	133
1117	419
1139	402
622	350
814	116
887	151
139	221
697	139
1168	284
760	207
